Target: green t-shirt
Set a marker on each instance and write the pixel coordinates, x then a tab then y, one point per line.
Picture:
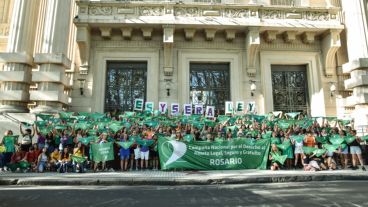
9	142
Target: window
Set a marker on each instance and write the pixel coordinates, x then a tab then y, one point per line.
125	81
210	84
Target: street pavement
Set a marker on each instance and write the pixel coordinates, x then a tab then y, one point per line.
179	177
326	194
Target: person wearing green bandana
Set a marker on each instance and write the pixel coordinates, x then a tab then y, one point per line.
288	151
124	154
9	141
102	139
275	165
344	152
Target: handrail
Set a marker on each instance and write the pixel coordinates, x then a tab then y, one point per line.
11	118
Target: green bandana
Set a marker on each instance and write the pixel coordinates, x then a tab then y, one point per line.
330	148
297	138
125	145
336	139
308	150
78	159
44	117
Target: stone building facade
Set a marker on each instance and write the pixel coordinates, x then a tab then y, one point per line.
99	55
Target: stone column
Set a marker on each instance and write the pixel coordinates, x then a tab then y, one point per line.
15	76
53	61
356	33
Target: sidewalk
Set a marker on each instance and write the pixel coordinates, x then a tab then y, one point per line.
178	177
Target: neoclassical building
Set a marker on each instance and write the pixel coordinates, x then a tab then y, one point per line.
100	55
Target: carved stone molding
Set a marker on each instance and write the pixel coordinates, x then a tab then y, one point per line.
100	10
236	13
271	14
252	43
317	16
330	44
187	12
151	11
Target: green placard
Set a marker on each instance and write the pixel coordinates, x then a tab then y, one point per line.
102	152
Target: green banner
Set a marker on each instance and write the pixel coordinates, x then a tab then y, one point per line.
227	155
103	152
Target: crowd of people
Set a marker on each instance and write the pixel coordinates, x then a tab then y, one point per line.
63	142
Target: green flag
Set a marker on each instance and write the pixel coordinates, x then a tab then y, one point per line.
102	152
267	135
65	115
83	126
275	140
45	130
331	118
115	127
60	127
293	115
258	118
283	125
321	139
134	138
364	138
40	123
330	147
125	145
86	140
145	142
336	139
297	138
86	114
279	158
284	146
78	159
344	122
276	113
308	150
151	123
92	132
349	139
97	116
44	117
188	137
319	152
